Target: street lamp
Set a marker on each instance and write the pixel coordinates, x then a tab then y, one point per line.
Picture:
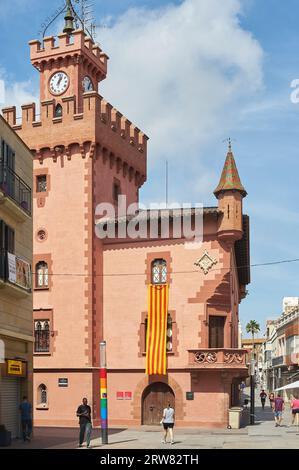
252	389
103	393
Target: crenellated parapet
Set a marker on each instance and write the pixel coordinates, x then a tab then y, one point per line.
65	50
121	143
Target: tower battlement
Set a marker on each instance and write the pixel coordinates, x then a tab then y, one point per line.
99	122
53	51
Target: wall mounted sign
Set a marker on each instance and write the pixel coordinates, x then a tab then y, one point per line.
189	395
15	368
119	395
128	395
63	382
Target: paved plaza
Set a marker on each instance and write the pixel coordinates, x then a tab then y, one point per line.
263	435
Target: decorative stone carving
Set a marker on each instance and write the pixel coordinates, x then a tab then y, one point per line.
206	262
210	357
230	358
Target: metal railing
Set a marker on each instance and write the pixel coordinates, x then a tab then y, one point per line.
15	188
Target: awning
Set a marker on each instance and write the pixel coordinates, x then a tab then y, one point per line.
288	387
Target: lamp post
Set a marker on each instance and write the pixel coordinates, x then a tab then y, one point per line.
252	389
103	393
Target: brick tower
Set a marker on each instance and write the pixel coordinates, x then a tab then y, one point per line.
85	152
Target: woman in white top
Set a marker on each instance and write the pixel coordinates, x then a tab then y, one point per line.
168	423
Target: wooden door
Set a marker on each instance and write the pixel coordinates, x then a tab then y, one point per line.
216	332
155	398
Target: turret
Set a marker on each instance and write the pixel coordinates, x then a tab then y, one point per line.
230	193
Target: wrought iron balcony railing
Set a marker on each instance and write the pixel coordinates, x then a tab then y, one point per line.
15	188
217	358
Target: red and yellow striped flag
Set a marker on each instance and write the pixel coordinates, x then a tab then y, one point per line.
157	330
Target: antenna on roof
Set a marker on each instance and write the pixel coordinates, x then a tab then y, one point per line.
86	17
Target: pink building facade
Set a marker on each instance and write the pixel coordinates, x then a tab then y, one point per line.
87	289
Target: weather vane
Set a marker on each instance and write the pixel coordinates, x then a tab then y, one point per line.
85	19
229	140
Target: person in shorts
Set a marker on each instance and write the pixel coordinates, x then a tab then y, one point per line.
295	410
168	423
278	409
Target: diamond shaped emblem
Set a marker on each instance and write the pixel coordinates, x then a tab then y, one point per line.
206	262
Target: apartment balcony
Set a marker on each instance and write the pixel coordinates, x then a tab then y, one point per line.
224	359
15	195
15	276
278	361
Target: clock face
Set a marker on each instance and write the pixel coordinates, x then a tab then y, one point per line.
59	83
87	84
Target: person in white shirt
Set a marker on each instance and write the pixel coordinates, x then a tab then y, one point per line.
168	423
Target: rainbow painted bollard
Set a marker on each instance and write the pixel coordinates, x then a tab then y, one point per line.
103	393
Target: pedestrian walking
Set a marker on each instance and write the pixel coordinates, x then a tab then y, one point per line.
263	396
295	410
26	419
84	414
271	400
278	409
168	423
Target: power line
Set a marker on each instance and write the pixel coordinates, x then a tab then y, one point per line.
272	263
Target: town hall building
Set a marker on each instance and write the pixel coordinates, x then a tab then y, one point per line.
87	289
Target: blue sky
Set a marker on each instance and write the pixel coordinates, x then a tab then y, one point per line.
191	73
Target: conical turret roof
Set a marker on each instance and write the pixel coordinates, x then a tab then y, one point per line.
230	179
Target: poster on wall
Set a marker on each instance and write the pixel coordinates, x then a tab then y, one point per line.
19	271
23	270
12	269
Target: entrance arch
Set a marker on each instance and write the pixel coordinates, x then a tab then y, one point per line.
154	399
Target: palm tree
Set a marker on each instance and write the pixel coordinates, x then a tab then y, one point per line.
253	327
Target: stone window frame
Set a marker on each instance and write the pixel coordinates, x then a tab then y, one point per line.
41	196
45	315
46	258
150	258
142	335
41	405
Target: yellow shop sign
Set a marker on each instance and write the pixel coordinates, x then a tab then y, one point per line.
15	368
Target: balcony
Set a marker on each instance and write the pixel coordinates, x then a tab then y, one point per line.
15	275
217	358
278	361
15	194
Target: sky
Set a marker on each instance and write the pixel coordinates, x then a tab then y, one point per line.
191	73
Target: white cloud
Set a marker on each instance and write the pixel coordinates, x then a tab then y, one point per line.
181	73
17	93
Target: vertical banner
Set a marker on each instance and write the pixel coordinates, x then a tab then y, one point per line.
157	329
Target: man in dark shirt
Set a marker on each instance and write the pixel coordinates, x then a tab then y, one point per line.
263	396
84	414
26	419
278	409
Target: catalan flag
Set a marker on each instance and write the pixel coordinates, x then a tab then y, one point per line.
157	329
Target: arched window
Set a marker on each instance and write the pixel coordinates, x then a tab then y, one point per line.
42	275
42	395
42	336
159	271
58	111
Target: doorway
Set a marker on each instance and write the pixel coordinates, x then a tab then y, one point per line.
154	399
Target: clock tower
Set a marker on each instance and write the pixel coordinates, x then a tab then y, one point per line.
85	152
69	66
